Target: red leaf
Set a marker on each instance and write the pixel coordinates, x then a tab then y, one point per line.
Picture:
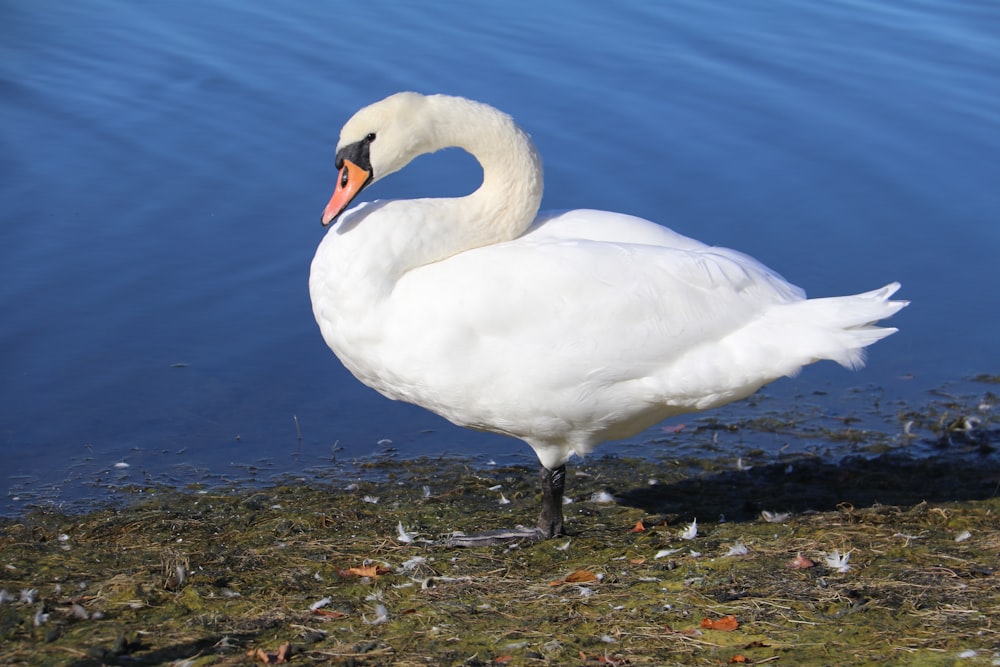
724	624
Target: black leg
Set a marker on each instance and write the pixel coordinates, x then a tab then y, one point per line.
550	521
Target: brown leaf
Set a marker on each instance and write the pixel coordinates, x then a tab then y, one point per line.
284	652
637	561
638	527
367	570
259	654
800	562
578	577
739	658
724	624
581	576
503	659
329	613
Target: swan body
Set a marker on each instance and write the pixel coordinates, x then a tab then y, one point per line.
564	329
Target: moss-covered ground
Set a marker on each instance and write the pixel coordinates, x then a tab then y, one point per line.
322	573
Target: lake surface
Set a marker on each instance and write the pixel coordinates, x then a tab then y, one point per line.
164	166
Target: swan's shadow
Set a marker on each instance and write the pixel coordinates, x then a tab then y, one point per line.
355	216
817	485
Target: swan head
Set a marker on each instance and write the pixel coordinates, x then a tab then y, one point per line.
379	140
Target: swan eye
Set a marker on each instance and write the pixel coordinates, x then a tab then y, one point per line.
344	176
370	138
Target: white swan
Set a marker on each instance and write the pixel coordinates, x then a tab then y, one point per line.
564	330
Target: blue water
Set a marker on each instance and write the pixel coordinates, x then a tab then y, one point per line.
163	167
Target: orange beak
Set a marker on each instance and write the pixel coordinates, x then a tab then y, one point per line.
352	180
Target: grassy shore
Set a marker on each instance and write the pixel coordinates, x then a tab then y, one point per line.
874	559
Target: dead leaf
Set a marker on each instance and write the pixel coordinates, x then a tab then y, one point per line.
368	571
738	658
329	613
578	577
259	654
503	659
637	561
638	527
283	654
724	624
800	562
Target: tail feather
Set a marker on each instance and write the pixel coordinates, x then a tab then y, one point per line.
780	342
844	326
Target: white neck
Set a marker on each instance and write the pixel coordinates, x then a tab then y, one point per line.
369	250
424	231
506	203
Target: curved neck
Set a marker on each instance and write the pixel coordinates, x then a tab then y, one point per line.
501	209
507	201
379	243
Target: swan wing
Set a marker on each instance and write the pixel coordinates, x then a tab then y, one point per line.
554	334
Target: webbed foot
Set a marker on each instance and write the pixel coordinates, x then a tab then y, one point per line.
550	521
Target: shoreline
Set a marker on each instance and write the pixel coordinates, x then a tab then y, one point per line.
849	545
206	577
760	430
